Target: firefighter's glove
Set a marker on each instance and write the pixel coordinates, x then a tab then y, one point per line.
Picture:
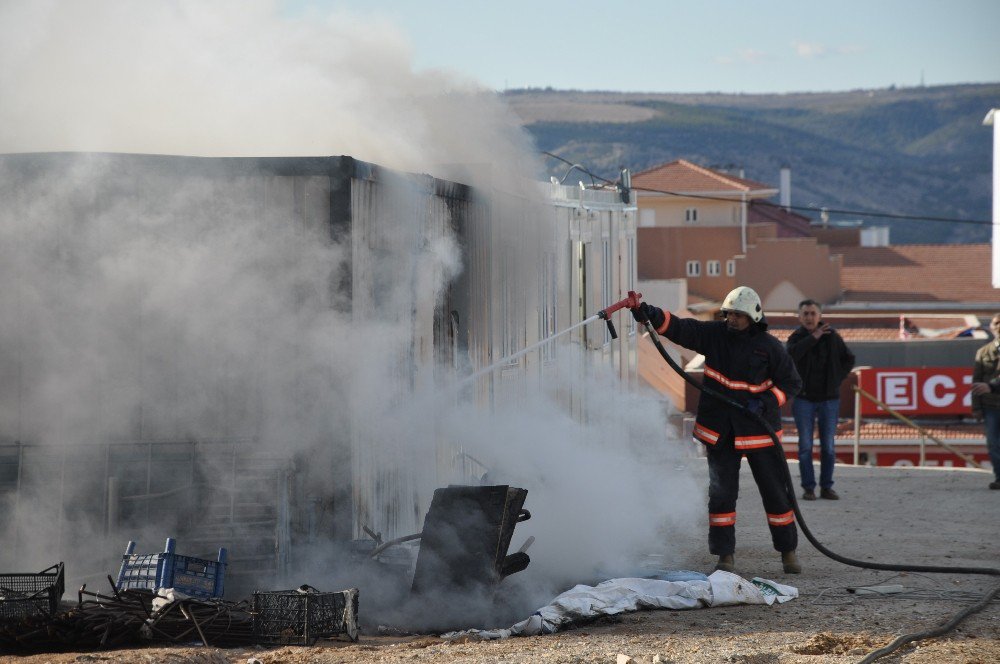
646	311
755	406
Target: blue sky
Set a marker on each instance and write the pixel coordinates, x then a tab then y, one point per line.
695	45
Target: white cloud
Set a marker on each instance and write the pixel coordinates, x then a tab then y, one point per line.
851	49
809	49
805	49
743	55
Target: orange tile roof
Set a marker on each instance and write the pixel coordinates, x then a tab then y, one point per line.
683	177
894	430
848	334
880	328
790	224
918	273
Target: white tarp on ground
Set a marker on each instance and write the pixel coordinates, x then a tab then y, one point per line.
614	596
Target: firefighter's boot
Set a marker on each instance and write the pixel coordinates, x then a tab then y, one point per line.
725	563
790	563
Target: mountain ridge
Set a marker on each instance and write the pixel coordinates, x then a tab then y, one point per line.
911	151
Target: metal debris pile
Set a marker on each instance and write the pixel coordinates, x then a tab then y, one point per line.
165	598
130	617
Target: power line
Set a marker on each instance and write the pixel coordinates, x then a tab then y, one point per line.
807	208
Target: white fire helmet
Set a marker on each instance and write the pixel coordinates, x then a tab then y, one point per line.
745	300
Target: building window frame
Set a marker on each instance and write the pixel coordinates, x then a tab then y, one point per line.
731	268
713	268
691	215
693	269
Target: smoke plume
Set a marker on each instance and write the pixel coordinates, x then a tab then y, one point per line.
225	310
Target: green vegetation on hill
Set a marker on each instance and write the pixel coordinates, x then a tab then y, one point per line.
917	151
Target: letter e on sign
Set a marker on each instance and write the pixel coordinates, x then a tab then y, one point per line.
898	390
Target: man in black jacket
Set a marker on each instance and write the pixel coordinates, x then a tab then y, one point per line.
747	365
823	361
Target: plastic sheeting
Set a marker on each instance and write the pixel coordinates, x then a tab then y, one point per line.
616	596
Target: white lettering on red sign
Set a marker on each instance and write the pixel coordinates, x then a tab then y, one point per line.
898	390
918	390
939	399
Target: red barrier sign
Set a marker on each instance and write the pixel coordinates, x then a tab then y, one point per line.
919	391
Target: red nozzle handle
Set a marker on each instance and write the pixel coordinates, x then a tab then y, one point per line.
629	302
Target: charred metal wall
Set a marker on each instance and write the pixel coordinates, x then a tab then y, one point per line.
112	476
84	501
526	272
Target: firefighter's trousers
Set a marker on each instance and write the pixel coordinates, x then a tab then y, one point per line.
723	489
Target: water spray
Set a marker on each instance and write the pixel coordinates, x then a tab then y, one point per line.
629	302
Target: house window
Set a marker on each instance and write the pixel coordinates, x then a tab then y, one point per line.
691	215
730	268
694	268
713	268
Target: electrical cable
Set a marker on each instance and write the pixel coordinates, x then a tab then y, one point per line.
807	208
790	490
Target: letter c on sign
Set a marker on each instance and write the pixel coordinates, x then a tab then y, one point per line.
931	395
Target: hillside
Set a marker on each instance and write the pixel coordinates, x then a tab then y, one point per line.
920	151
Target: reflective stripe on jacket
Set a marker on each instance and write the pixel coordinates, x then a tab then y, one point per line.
741	366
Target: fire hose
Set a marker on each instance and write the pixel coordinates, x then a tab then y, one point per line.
631	302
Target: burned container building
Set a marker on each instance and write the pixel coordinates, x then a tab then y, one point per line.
212	348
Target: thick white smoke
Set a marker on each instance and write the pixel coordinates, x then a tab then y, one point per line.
234	78
234	299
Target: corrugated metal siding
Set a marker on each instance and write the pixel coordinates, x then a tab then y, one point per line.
533	265
210	494
396	220
54	492
598	236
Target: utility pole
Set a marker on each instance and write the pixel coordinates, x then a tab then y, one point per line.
993	118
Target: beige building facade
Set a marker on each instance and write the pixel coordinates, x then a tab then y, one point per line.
783	271
693	225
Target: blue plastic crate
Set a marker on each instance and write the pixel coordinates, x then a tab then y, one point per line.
196	577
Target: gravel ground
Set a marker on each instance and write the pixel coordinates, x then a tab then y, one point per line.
890	515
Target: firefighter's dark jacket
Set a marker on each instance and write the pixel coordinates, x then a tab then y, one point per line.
744	366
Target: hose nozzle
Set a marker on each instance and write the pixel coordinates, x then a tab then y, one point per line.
630	302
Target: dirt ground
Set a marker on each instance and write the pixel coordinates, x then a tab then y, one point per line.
890	515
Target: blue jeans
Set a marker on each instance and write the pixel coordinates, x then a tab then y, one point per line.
806	414
992	420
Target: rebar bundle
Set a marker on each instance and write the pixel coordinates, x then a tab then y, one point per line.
94	624
213	622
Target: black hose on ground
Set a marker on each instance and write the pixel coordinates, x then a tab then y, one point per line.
790	490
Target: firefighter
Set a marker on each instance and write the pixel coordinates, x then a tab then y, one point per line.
749	366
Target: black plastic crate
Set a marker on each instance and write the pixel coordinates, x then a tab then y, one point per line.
23	595
301	616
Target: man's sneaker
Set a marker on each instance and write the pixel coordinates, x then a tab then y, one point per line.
995	485
790	563
725	563
809	494
829	494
